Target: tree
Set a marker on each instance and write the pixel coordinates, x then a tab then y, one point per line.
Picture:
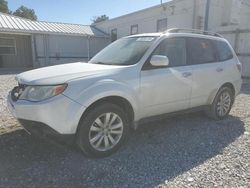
25	12
4	6
101	18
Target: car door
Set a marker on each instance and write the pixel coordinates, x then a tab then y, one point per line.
208	72
166	89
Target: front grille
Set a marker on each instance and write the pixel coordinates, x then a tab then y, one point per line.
17	91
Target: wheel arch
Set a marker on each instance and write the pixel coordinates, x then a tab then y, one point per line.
214	93
120	101
229	85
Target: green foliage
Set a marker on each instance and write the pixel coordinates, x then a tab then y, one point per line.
22	11
101	18
25	12
4	6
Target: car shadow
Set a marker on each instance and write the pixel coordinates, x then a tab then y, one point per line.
245	89
154	153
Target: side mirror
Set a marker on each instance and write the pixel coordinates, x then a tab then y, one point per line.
159	61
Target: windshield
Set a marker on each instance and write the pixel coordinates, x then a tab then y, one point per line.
125	51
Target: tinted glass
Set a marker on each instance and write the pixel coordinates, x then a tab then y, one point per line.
162	25
200	51
174	49
134	29
7	51
7	46
7	42
223	51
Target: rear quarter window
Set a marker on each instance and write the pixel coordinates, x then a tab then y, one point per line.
223	50
200	51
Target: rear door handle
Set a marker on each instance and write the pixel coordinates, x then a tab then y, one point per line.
186	74
219	69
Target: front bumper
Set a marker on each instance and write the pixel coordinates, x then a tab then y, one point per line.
42	130
60	113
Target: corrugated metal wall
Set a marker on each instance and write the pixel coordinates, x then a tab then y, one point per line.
23	56
58	49
97	44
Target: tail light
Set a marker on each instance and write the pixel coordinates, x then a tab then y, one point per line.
239	66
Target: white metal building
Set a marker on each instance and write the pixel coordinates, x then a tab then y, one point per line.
229	17
26	43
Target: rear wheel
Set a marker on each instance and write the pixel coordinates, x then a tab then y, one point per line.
222	104
102	130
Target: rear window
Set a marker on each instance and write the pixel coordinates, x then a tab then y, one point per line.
200	51
223	51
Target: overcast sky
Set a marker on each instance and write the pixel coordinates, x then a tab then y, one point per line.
81	11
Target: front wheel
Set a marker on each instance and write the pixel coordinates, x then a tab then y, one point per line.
222	104
102	130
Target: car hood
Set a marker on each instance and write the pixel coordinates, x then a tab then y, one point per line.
59	74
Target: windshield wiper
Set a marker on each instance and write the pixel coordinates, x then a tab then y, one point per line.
101	63
104	63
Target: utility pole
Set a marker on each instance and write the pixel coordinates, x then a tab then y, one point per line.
194	15
207	15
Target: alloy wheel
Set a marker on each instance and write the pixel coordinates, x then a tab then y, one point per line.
106	131
223	104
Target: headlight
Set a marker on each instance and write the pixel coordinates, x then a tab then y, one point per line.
39	93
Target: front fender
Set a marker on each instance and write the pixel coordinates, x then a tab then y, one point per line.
107	88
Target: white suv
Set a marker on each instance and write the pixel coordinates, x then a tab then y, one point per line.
134	78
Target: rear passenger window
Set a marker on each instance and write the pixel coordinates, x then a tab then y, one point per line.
223	50
200	51
174	49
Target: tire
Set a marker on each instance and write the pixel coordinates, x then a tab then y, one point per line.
219	110
95	137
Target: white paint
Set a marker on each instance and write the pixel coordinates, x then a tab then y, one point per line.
150	92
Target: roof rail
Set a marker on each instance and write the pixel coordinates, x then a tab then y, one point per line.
177	30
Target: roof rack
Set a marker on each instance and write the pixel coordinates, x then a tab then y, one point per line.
178	30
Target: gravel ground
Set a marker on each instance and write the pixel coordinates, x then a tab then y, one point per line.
7	82
184	151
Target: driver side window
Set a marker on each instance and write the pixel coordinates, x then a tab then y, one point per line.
174	49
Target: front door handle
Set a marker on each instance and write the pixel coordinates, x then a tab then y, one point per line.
219	69
186	74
